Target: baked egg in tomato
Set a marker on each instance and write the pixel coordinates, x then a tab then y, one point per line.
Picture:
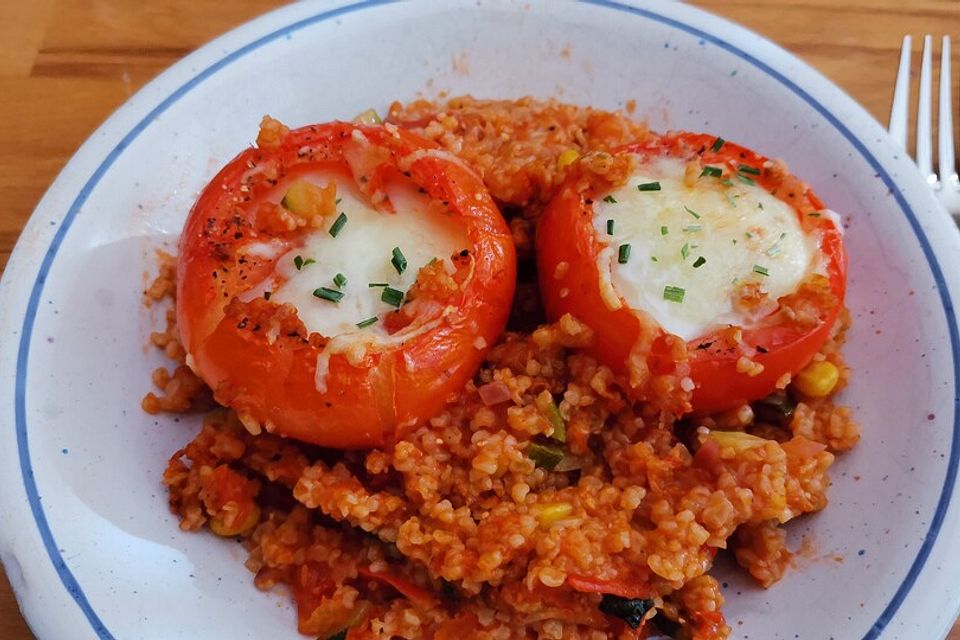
338	282
697	263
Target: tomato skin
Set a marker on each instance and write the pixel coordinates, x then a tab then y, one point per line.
393	388
566	235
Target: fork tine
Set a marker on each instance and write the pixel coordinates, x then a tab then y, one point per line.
901	95
924	114
945	157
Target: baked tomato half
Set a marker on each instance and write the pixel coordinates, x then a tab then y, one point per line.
338	282
708	273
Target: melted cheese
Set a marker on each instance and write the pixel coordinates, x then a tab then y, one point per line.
734	234
362	252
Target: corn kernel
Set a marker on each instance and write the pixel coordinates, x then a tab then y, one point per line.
818	379
220	527
370	116
567	158
547	514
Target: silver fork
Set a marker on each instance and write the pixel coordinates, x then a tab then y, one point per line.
945	184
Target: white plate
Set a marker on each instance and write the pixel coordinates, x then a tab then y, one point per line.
87	540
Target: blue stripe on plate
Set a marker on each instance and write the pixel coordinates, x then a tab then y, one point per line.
23	355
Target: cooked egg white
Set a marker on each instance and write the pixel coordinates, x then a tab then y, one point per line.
362	251
700	243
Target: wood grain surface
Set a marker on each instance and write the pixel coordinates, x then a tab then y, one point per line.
65	65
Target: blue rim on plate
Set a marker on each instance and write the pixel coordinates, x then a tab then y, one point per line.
63	571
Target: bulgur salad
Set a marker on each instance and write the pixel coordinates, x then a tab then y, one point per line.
504	369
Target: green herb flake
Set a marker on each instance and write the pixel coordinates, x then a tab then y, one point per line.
267	294
718	144
692	228
654	259
328	294
649	186
338	224
761	270
545	456
398	260
338	200
623	254
745	179
727	182
699	262
814	214
557	422
711	172
367	322
748	235
393	297
673	294
373	285
745	168
685	251
340	280
300	263
610	227
760	205
692	212
610	199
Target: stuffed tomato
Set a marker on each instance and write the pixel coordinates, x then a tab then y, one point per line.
709	274
338	282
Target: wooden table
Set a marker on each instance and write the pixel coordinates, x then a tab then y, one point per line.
65	65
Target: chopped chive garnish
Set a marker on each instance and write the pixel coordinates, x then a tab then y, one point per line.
367	322
649	186
673	294
745	168
685	251
392	296
759	205
610	199
300	263
761	270
654	259
398	260
745	180
711	172
664	230
372	285
623	253
338	224
734	241
727	182
340	280
699	262
748	235
433	260
773	250
815	214
267	294
338	200
328	294
609	227
718	144
692	212
693	228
